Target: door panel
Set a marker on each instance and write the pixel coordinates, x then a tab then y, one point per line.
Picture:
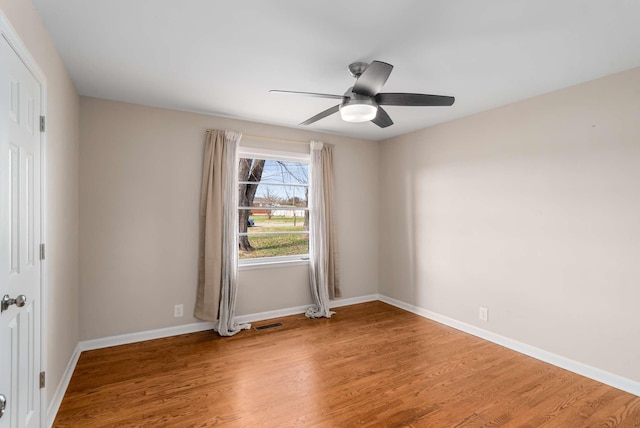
20	267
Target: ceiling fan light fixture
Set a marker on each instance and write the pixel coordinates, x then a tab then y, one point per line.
358	110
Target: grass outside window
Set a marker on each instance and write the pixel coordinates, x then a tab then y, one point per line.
276	245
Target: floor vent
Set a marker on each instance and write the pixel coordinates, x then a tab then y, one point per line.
268	326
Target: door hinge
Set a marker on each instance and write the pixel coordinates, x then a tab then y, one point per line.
41	251
42	380
42	124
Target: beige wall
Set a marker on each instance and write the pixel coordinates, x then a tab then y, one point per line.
531	210
61	166
140	170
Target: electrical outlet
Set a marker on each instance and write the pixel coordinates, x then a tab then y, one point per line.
178	311
483	314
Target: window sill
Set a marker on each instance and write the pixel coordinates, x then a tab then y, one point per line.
273	264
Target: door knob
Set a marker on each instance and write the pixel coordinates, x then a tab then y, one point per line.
8	301
3	404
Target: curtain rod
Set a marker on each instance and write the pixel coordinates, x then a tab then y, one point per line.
260	137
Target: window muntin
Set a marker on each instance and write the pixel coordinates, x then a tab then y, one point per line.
273	207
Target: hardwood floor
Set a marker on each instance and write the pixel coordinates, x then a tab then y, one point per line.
370	365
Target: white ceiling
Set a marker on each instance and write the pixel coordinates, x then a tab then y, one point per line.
222	57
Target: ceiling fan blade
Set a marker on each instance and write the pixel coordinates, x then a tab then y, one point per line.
403	99
309	94
373	79
322	115
382	119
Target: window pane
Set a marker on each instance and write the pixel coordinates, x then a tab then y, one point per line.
274	195
275	220
285	172
273	215
276	232
295	196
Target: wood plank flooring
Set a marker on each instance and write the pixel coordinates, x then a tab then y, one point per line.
370	365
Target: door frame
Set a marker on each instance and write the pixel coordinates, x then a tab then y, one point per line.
11	36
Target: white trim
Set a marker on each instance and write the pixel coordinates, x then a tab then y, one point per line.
266	183
582	369
278	313
275	207
336	303
13	39
141	336
273	262
123	339
302	232
254	152
56	400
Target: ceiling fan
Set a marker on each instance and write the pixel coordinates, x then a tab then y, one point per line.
363	101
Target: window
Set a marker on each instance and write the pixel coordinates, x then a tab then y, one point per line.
273	214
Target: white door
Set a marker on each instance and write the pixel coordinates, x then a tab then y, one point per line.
20	233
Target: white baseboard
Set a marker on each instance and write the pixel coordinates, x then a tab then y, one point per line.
260	316
599	375
56	400
140	336
354	300
271	314
123	339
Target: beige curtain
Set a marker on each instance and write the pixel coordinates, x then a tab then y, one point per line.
218	260
333	282
323	276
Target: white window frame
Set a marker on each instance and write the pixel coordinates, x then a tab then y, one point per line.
278	155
